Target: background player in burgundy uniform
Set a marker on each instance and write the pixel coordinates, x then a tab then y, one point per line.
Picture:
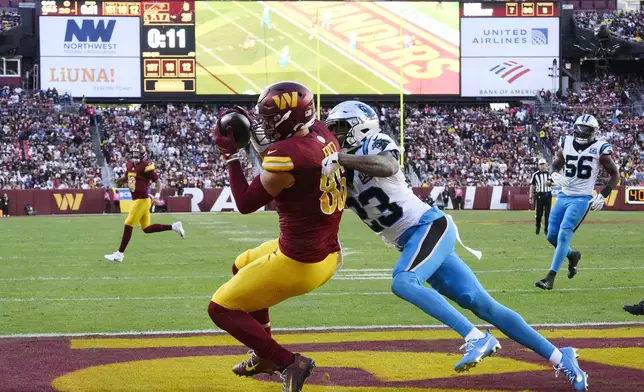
309	206
139	174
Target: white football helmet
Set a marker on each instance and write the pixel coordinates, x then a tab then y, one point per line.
585	129
352	122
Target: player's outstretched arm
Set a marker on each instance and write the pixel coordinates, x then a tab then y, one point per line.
263	188
384	164
559	161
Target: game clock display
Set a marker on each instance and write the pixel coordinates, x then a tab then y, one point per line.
635	195
168	47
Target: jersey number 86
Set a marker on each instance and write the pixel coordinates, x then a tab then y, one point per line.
334	192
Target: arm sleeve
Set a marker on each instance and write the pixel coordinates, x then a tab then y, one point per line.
606	149
248	198
534	177
276	160
150	172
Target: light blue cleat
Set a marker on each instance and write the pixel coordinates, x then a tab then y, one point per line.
570	367
476	350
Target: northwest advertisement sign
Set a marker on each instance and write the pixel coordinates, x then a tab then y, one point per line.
91	56
521	37
89	37
505	76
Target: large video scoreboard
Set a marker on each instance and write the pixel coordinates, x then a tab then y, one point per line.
183	49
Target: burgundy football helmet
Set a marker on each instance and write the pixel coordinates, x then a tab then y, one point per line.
283	109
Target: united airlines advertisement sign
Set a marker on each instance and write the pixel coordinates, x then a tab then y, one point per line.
531	37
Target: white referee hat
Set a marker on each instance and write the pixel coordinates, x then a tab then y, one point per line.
542	161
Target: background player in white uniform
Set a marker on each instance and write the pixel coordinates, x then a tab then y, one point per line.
378	193
580	157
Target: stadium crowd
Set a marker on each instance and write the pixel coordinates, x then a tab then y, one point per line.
44	145
628	25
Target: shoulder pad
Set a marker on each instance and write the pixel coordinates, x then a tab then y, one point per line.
149	167
277	161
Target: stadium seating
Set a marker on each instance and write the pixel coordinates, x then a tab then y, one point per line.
624	24
44	143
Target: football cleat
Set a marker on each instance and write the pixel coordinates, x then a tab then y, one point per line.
116	257
570	367
296	373
178	227
635	310
546	283
538	230
573	260
476	350
255	365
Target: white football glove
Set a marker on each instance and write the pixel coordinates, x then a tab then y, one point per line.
559	179
330	164
597	202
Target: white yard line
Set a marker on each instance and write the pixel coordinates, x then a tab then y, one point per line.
392	83
300	329
206	49
298	66
314	294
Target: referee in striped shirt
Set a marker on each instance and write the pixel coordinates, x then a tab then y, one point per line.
541	193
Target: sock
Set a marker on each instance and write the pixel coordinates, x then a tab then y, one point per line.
563	248
556	357
262	317
406	286
157	228
475	333
127	234
510	323
244	328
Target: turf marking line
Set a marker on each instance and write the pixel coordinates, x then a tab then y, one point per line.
314	294
302	329
298	66
337	48
307	47
230	67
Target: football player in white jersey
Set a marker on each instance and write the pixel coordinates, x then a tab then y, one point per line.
426	238
580	157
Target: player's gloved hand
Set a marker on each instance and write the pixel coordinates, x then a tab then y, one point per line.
330	164
560	180
225	143
597	202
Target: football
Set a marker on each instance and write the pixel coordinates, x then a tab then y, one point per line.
239	125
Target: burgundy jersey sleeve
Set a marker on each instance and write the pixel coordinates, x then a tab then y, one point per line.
150	172
277	159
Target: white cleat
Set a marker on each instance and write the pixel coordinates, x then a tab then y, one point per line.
116	257
178	227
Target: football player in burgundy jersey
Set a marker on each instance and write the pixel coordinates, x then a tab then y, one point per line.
140	172
309	206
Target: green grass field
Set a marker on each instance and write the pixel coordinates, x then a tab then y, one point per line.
53	278
229	64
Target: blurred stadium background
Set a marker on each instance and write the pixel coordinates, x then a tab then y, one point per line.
476	93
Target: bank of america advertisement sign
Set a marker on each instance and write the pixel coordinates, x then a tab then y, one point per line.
91	56
531	37
505	76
